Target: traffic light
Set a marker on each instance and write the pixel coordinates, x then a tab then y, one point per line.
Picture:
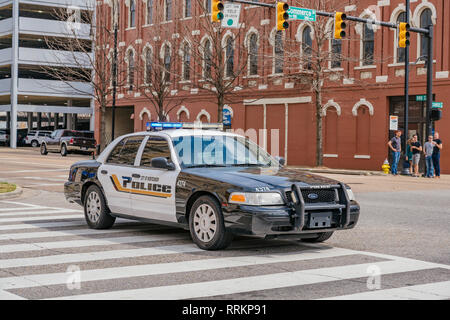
282	16
403	34
339	25
436	114
216	10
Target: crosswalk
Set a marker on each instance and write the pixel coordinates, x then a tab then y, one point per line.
49	253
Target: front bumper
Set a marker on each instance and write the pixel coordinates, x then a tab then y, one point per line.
295	218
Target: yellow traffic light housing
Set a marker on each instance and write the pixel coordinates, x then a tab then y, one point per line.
403	35
216	10
339	25
282	16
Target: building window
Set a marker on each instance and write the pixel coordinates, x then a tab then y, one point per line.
229	56
279	52
207	59
168	10
401	52
253	54
132	16
336	51
148	66
368	45
131	68
186	62
425	22
149	11
187	8
307	47
167	62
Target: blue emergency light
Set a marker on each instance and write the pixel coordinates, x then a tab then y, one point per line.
164	125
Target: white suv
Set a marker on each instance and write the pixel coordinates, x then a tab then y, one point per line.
4	137
35	137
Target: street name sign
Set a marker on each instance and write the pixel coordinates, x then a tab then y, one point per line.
421	98
231	15
438	105
302	14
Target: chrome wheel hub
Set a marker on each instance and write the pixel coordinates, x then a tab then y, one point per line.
93	206
205	224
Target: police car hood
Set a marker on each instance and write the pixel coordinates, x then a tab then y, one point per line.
249	178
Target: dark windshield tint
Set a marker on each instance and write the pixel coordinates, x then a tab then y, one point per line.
125	151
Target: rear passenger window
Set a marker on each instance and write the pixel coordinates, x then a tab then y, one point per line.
156	147
125	151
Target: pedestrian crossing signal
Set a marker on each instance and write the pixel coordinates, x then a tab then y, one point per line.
282	16
339	25
216	11
403	35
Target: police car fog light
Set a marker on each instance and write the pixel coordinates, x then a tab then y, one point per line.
256	199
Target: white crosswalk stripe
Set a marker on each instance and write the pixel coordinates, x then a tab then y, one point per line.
36	269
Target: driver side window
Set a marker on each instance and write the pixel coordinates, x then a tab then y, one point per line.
156	147
125	151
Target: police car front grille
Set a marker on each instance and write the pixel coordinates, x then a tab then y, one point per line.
319	195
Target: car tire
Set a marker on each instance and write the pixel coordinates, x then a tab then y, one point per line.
321	237
44	150
63	150
207	226
96	212
34	144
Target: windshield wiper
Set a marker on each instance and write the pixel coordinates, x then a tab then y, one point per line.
250	165
206	165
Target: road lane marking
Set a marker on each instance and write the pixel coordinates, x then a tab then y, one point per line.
429	291
43	218
45	212
34	170
20	226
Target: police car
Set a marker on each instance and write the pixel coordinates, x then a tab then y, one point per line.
215	184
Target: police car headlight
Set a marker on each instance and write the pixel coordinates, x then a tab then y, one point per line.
351	195
256	199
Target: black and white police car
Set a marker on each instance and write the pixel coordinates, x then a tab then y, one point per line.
214	183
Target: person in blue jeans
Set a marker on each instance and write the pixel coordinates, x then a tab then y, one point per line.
428	151
437	155
395	144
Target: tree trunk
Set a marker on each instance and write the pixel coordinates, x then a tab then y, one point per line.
319	133
220	103
103	139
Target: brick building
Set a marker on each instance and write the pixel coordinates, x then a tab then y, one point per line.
358	104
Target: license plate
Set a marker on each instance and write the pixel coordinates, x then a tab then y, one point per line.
84	148
320	220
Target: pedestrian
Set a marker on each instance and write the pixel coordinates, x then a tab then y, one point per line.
437	155
395	144
409	156
416	148
428	151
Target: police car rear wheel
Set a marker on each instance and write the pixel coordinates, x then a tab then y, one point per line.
207	226
321	237
95	210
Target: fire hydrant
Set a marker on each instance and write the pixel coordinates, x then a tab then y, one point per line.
386	167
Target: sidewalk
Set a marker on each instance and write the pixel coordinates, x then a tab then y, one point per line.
340	171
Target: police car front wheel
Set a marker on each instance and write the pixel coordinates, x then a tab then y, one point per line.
207	226
95	210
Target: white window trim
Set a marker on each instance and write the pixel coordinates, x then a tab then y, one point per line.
362	102
248	35
146	48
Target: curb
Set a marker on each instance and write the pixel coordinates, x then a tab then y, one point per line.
345	172
12	194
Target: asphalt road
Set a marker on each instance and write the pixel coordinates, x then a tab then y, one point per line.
403	233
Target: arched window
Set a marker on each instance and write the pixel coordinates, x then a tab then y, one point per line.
186	62
253	54
363	131
307	46
167	62
229	56
168	14
183	116
279	52
401	52
132	16
148	66
187	8
331	131
368	42
149	12
207	56
131	68
425	22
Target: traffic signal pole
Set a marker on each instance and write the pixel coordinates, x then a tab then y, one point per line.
430	79
406	113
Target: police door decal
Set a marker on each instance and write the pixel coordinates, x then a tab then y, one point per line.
144	186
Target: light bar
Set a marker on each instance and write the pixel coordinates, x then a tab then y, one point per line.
164	125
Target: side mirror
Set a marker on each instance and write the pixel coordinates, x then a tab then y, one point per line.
162	163
281	160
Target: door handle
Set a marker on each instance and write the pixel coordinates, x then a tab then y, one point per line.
104	172
135	175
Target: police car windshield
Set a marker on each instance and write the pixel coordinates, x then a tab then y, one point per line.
220	151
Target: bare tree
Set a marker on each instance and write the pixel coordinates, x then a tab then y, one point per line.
86	55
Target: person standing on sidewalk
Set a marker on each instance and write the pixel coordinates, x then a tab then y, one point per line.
395	144
409	156
428	151
416	148
437	155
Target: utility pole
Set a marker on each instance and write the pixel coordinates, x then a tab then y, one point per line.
430	37
406	120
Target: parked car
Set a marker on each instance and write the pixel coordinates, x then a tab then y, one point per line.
4	137
35	137
68	141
